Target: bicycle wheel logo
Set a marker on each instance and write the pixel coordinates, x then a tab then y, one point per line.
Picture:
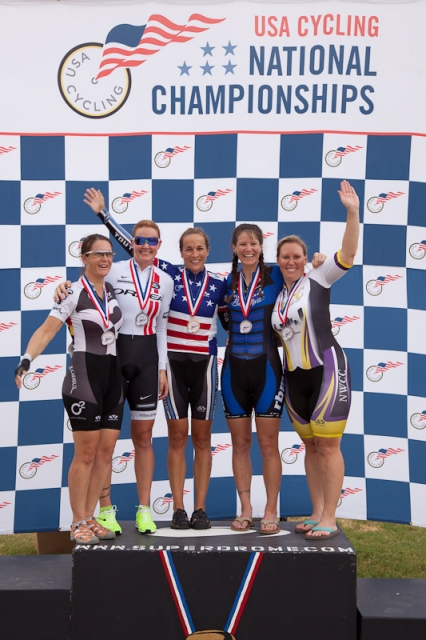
162	505
334	157
32	290
121	203
375	372
33	205
290	201
290	455
376	203
418	250
376	459
205	203
375	287
29	469
418	420
163	158
119	463
340	322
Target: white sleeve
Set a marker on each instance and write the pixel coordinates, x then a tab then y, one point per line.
330	271
63	309
161	327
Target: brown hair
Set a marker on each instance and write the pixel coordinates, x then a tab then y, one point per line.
146	223
294	239
256	232
89	241
192	231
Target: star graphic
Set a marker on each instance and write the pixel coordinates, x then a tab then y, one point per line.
229	48
229	68
183	298
184	69
207	68
164	266
209	303
212	287
178	278
174	295
207	50
198	284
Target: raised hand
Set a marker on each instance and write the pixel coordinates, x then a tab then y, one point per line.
95	200
348	196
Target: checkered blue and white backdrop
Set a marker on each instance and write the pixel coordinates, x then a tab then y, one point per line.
268	107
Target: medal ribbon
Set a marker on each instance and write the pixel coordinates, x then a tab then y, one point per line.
240	600
101	307
283	309
245	303
141	296
194	306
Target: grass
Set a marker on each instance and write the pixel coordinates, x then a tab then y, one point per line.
384	550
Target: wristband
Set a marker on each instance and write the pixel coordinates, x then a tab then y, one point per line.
27	356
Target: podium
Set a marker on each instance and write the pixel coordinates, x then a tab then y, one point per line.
173	583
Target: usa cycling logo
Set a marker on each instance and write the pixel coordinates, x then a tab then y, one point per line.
4	504
94	79
375	287
334	157
6	149
340	322
376	459
163	158
31	380
291	454
29	469
32	290
375	372
376	203
4	326
219	448
418	420
290	201
119	463
121	203
162	505
347	492
205	203
418	250
75	248
33	205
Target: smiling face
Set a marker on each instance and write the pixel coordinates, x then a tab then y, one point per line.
97	266
247	249
291	261
144	254
194	252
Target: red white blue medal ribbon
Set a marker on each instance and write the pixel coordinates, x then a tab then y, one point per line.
246	302
102	308
239	602
194	306
283	306
142	297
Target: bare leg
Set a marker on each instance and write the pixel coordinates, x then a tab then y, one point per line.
240	429
85	444
101	466
331	474
315	487
267	434
141	431
176	462
201	440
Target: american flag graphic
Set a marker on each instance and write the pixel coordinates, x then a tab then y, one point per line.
44	197
220	361
422	244
339	322
6	149
267	234
4	504
7	325
128	197
222	274
385	366
385	453
127	456
172	152
38	462
343	151
385	197
381	280
218	448
40	373
297	448
298	195
168	497
129	46
422	416
348	492
43	282
214	195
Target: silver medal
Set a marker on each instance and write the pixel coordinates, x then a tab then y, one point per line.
107	338
245	326
141	319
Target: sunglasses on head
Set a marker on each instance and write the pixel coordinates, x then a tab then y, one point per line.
100	254
140	240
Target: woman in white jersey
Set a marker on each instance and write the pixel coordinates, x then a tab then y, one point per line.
92	389
316	371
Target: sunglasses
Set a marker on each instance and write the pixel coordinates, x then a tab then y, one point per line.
101	254
140	240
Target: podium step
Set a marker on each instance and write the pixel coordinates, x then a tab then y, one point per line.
173	583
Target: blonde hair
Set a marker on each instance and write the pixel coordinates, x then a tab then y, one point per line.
288	240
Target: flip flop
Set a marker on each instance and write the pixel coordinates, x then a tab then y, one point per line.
269	532
304	523
332	533
241	520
